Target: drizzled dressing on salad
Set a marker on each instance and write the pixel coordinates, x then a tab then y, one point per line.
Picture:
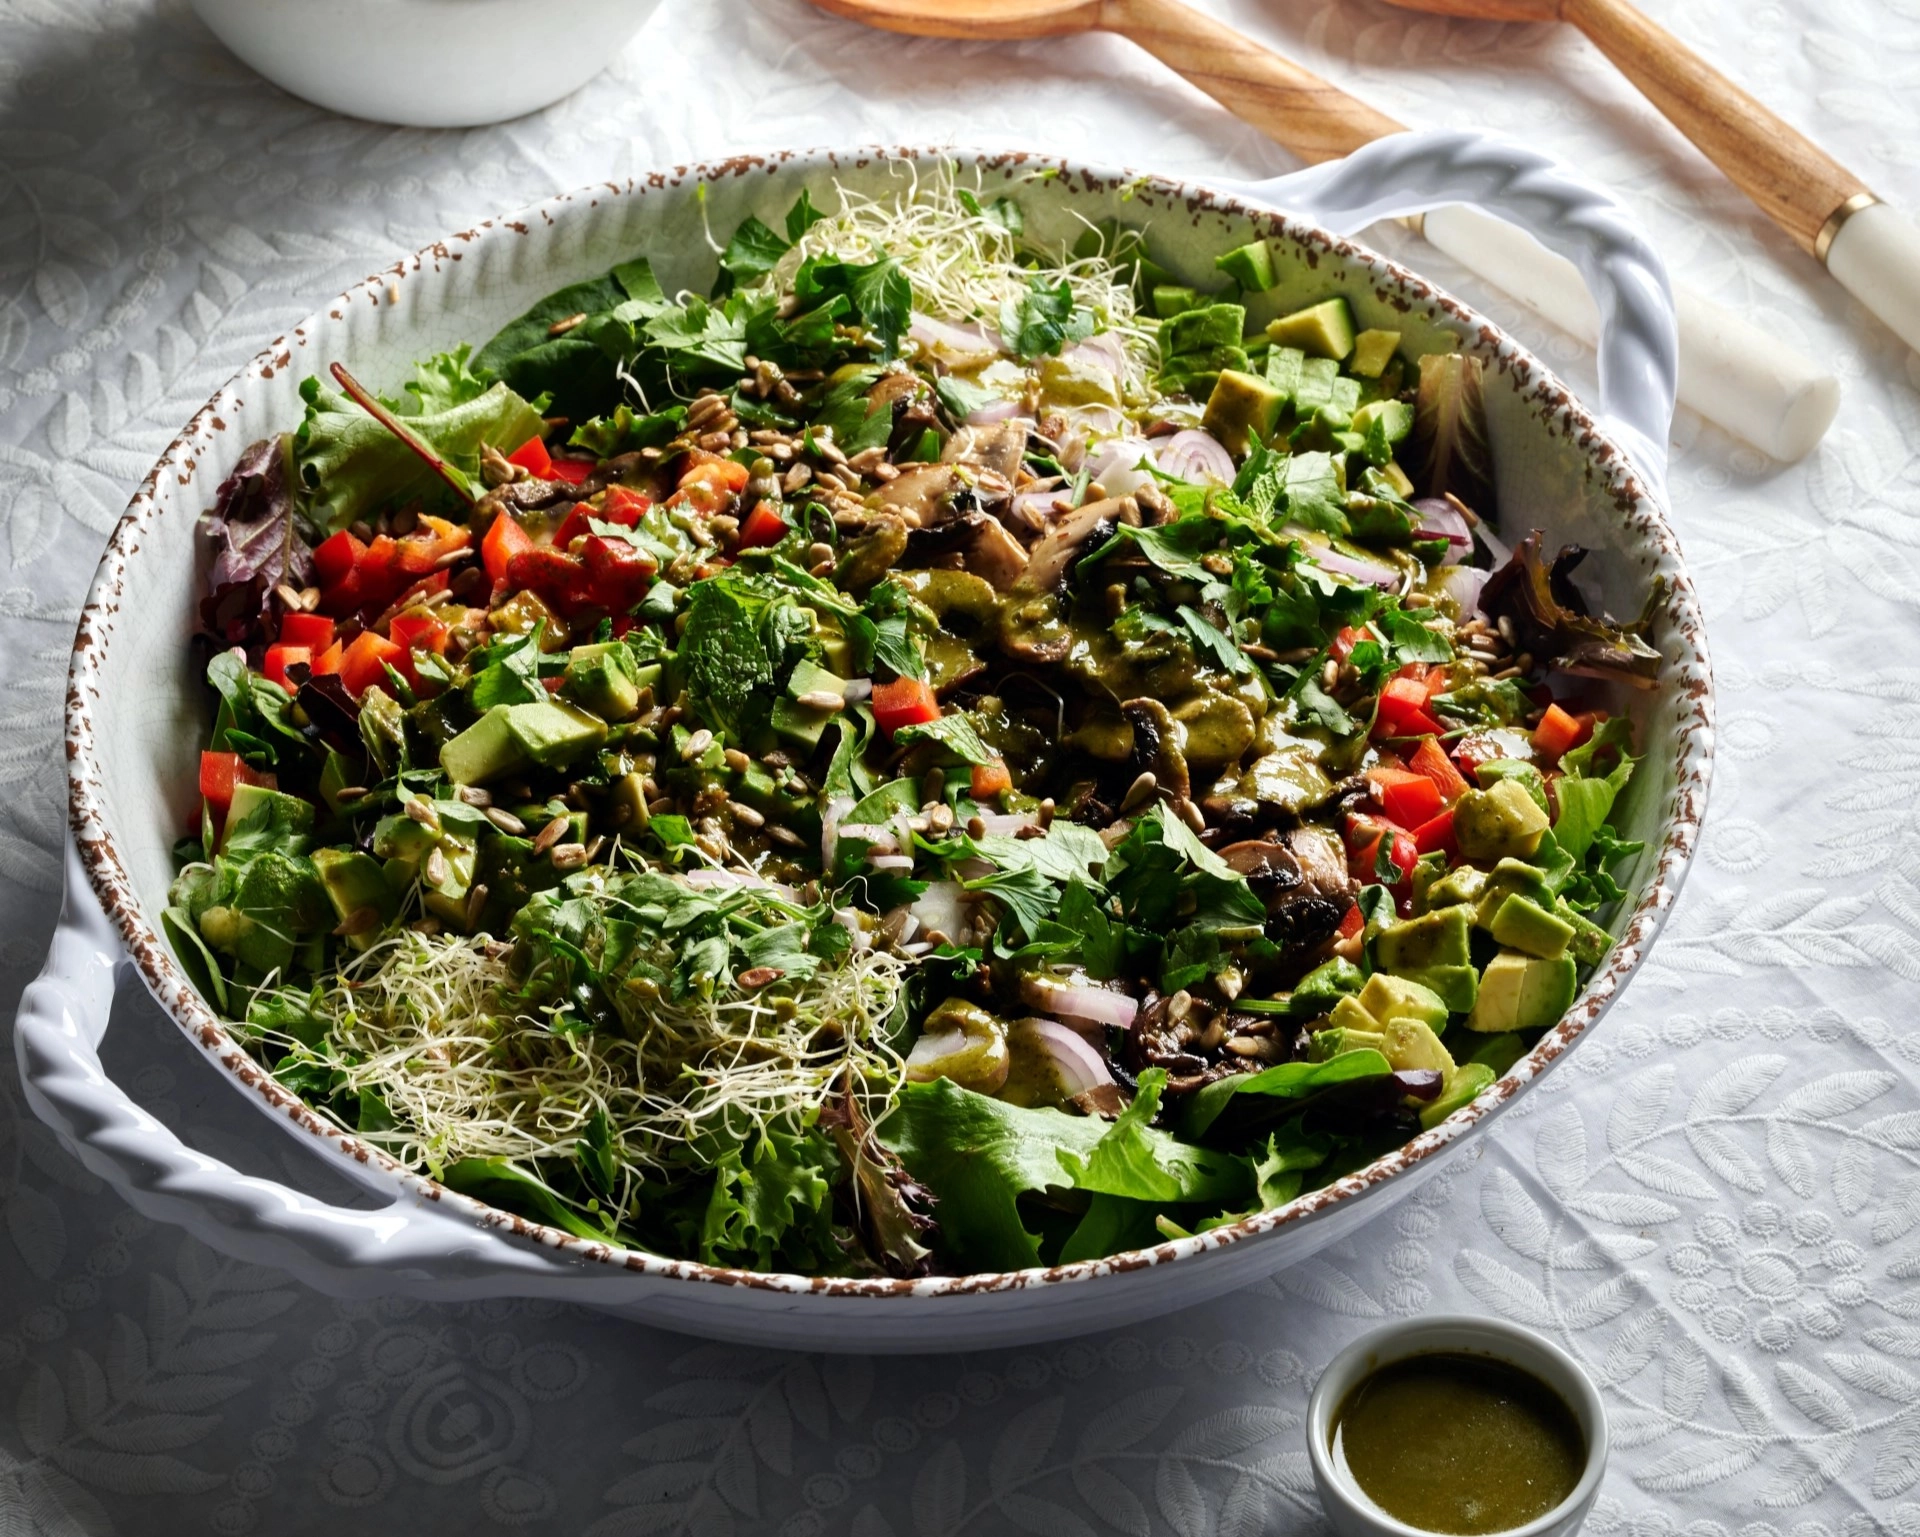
947	752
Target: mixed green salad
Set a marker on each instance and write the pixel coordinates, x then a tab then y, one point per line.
943	754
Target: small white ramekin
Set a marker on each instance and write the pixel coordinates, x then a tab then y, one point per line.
427	63
1347	1506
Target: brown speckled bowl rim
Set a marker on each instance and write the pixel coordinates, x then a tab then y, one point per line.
1558	412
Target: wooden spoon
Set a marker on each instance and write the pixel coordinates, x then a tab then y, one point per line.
1312	117
1752	384
1797	184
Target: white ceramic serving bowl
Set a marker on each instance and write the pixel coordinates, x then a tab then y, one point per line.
1347	1506
137	716
427	63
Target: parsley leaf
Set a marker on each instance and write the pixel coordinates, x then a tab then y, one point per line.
1042	318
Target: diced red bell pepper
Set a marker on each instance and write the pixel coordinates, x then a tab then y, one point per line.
336	557
418	632
221	773
313	631
991	779
1435	833
1341	647
553	685
623	624
504	540
623	506
328	661
282	656
1406	797
366	660
1431	759
763	526
1560	732
343	597
1352	924
532	456
904	702
572	471
619	574
1403	711
559	579
710	483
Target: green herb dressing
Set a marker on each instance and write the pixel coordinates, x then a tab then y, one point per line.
1459	1443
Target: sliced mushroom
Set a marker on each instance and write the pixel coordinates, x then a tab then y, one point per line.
979	543
873	554
1068	539
924	495
1159	746
1268	867
1218	727
1323	861
996	447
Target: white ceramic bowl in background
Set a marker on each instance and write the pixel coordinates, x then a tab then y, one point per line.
137	715
427	63
1349	1509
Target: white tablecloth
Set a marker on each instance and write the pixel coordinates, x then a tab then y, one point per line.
1716	1206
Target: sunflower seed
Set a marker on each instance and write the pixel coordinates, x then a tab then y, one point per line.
561	327
473	795
506	821
423	813
437	871
351	794
696	744
361	920
1139	793
551	834
476	905
758	976
747	816
786	835
822	699
568	856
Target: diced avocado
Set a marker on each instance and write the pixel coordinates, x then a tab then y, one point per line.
1242	410
800	723
1315	386
400	837
1343	399
1372	351
485	750
1324	985
1328	1044
1413	1047
1523	925
1511	877
1350	1014
1398	478
353	881
1494	770
1455	986
1464	885
1460	1087
260	818
1284	365
1523	992
1428	871
1499	1052
1251	266
1323	330
553	732
1437	939
1392	998
1170	299
1498	823
809	677
1382	424
604	679
1590	942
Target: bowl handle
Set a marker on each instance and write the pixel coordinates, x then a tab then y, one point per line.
1408	173
416	1244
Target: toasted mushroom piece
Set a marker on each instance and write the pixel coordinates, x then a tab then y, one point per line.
873	554
1323	862
1269	867
924	495
1158	740
996	447
1068	539
981	545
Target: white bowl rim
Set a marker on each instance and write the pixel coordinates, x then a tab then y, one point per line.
1491	1337
152	957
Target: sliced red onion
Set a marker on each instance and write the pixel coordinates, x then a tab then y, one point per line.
1463	584
1372	571
994	411
856	689
1440	519
836	807
1418	1082
1199	458
1078	1000
890	861
1120	465
1500	552
956	346
1103	351
933	1048
1006	824
870	832
1081	1067
849	919
942	908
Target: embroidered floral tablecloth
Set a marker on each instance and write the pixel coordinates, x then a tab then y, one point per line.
1716	1205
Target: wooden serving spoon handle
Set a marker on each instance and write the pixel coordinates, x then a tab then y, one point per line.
1312	117
1797	184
